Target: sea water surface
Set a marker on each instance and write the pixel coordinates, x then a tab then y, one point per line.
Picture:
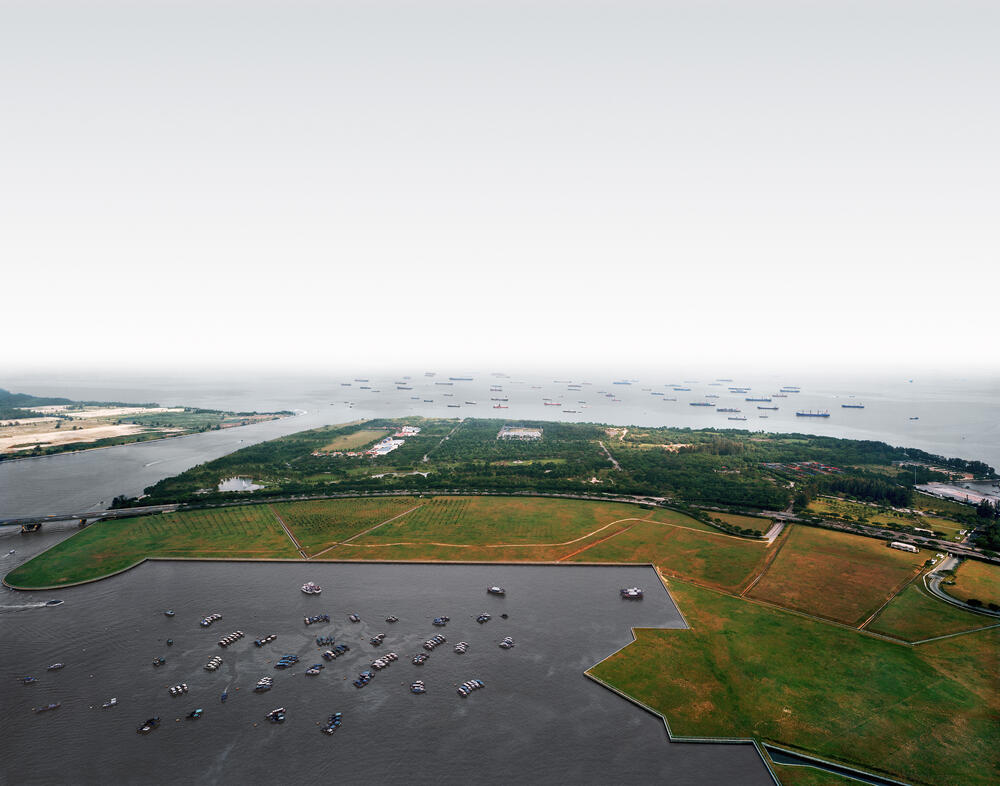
539	719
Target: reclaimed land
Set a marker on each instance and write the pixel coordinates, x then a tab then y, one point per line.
977	580
320	524
926	714
835	575
110	546
914	615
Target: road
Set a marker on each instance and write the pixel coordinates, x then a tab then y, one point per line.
611	458
932	582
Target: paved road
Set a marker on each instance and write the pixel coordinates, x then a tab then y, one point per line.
932	581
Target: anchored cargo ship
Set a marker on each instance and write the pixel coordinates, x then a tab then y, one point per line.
811	414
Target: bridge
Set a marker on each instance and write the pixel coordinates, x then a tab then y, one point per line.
34	523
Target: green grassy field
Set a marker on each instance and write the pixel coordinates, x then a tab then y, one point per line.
914	615
318	524
755	523
109	546
717	560
835	575
495	520
975	579
925	714
355	440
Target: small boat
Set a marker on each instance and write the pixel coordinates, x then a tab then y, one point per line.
391	618
169	613
496	590
631	593
276	715
170	642
159	661
224	696
354	618
54	602
333	723
112	702
418	687
195	714
10	552
503	616
149	725
56	667
507	643
28	680
311	588
47	707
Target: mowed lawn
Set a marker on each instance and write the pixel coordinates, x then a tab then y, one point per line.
476	521
925	714
318	524
975	579
914	615
755	523
835	575
109	546
710	558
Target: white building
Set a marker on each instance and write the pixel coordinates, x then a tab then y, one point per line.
903	546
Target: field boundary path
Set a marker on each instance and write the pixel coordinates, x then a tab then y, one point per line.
612	459
370	529
288	532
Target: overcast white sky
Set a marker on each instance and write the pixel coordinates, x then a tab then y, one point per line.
204	183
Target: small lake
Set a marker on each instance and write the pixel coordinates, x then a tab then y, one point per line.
539	719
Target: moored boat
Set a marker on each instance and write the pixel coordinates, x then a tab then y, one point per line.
631	593
149	725
496	589
311	588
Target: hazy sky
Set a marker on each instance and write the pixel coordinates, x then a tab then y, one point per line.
512	182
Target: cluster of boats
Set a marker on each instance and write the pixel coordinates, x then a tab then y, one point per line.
377	639
392	618
461	647
178	690
380	663
441	621
264	684
265	640
149	725
276	715
507	643
484	617
354	618
336	652
419	660
434	641
213	664
467	687
632	593
418	687
316	618
208	620
159	661
324	641
333	723
315	669
363	679
232	638
311	588
285	661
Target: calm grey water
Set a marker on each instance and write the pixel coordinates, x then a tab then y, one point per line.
957	417
539	720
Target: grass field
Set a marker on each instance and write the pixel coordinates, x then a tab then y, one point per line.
717	560
494	520
108	546
790	775
318	524
914	615
975	579
925	714
755	523
855	511
835	575
355	440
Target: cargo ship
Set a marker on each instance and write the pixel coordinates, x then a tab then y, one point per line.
702	403
727	409
500	406
762	398
460	379
760	407
853	406
811	414
552	403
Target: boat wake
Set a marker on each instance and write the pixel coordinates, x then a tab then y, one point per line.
22	606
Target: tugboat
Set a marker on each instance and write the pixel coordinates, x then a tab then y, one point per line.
276	715
418	687
507	643
149	725
48	707
333	723
56	666
113	701
195	714
169	612
496	590
632	593
311	588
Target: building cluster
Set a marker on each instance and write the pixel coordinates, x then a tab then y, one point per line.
519	432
